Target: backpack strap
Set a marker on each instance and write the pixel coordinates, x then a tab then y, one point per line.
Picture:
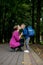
27	31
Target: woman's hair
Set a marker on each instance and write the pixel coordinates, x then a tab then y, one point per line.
15	27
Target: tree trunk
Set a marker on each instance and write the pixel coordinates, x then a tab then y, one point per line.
3	31
33	18
38	21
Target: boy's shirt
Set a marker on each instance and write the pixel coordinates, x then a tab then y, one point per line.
25	33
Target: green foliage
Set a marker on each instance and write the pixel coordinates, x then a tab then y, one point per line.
11	12
17	11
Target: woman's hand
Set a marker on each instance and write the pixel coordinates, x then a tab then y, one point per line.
21	35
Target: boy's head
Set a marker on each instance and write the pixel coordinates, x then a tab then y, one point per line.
23	26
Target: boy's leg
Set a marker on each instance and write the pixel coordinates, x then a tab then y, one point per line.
27	43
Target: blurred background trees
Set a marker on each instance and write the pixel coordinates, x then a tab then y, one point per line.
20	11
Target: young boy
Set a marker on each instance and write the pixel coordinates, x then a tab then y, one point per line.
27	38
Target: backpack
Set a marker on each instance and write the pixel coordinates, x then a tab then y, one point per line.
30	31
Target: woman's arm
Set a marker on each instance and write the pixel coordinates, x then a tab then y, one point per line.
20	35
17	36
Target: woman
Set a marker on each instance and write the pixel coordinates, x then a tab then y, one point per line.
15	39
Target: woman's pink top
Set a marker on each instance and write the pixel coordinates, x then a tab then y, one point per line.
15	40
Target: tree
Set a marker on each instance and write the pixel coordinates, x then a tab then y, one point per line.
38	21
33	18
11	12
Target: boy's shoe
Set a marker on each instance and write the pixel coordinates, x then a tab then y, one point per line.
26	51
